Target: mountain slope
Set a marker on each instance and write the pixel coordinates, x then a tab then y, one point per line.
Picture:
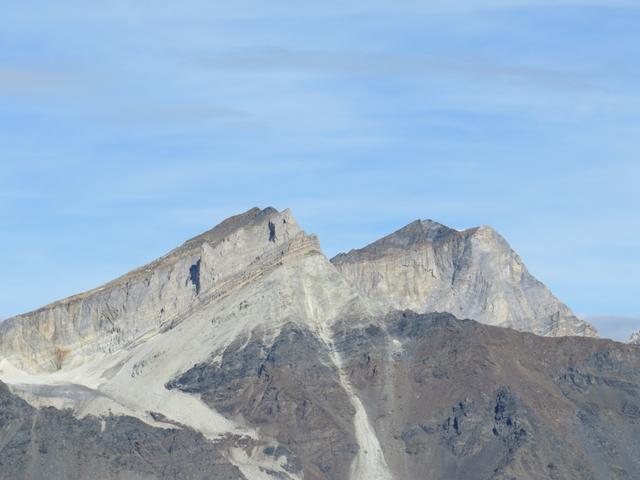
428	267
458	399
445	398
449	398
249	277
53	444
246	354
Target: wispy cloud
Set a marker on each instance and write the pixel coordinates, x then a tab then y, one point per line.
185	115
123	11
462	5
21	80
279	60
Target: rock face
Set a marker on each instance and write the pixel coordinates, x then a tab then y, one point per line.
247	278
428	267
635	338
291	389
458	399
43	444
156	296
246	354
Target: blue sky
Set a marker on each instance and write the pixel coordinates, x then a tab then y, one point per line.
127	127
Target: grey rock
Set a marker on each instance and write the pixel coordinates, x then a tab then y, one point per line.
453	398
245	353
156	296
291	390
45	444
428	267
447	398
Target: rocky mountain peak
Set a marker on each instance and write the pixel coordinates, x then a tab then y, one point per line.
415	233
219	232
426	266
157	295
635	338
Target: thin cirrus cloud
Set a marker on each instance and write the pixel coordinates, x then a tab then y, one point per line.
365	63
16	80
125	11
180	115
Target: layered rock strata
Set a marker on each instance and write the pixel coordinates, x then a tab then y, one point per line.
474	273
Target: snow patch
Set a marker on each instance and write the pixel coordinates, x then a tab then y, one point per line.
258	466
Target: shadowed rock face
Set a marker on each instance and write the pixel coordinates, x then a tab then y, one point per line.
428	267
457	399
447	398
44	444
291	390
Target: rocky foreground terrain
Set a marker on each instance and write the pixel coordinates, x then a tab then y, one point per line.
247	354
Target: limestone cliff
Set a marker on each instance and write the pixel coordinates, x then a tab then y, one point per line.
428	267
156	296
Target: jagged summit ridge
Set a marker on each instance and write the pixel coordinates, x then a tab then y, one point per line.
426	266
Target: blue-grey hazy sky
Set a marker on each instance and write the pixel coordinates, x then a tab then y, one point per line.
128	126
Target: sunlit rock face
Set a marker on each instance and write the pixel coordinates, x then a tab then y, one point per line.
155	296
635	338
428	267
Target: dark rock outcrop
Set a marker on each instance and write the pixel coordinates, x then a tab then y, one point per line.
45	444
290	389
457	399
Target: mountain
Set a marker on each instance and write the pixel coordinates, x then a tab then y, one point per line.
428	267
116	349
246	354
259	248
635	338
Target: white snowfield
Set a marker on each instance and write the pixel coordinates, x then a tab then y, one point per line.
112	350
